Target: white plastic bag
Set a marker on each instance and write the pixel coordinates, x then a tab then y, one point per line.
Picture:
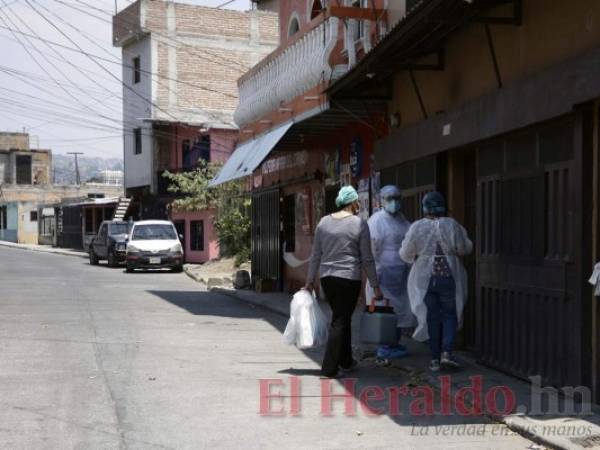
307	327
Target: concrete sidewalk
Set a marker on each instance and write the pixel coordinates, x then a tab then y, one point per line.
45	249
574	431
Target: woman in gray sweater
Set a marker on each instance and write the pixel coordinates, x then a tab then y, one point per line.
341	249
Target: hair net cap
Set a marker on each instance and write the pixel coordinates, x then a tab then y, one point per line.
346	196
390	191
434	203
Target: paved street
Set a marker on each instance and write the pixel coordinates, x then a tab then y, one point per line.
92	357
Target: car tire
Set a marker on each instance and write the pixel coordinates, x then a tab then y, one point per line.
93	257
177	269
129	268
112	259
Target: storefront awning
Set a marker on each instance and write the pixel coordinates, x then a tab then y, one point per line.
249	155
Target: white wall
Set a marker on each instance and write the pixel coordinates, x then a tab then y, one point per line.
4	174
138	168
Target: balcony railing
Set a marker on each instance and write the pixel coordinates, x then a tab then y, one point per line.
288	72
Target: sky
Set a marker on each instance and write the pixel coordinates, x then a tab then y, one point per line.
66	101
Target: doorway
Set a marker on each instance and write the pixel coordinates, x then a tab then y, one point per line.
529	291
266	243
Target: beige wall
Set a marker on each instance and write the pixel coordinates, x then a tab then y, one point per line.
54	194
14	140
551	32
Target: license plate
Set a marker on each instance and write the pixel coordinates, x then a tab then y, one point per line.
154	260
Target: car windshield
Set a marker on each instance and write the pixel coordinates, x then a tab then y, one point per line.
154	231
120	228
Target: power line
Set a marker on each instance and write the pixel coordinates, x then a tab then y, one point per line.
237	64
94	43
93	80
37	62
96	62
51	64
117	61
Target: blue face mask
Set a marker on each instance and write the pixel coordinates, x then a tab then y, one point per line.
392	206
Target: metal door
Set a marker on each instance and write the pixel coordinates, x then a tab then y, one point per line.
528	302
266	248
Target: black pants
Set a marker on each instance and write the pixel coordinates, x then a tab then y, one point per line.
342	295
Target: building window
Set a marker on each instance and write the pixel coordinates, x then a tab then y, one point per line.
89	220
359	25
23	169
202	148
192	153
197	235
186	155
294	27
137	141
136	70
33	216
3	217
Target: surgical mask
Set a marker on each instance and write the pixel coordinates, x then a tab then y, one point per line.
392	206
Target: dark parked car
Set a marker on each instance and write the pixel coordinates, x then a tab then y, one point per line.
110	243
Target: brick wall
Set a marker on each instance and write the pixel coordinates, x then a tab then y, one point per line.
127	23
206	49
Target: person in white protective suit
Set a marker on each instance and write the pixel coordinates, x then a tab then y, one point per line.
388	227
437	283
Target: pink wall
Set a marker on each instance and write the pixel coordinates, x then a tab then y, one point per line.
211	245
222	143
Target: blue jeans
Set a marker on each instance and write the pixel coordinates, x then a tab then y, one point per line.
442	321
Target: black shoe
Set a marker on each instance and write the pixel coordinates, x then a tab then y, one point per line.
449	362
351	368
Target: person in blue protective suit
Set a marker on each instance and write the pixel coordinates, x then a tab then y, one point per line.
437	284
388	227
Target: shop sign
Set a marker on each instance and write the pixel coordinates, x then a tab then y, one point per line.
289	161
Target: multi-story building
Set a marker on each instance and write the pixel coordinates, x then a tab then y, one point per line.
180	66
297	145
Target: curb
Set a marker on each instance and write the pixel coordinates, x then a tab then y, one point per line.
208	282
53	250
190	274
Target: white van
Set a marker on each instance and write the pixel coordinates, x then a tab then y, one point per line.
154	244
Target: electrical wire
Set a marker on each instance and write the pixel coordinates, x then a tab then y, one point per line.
236	65
117	61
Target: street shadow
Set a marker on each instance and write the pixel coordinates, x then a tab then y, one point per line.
146	271
417	406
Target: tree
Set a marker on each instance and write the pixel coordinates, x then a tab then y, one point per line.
230	200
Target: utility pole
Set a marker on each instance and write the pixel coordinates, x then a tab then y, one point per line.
77	178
